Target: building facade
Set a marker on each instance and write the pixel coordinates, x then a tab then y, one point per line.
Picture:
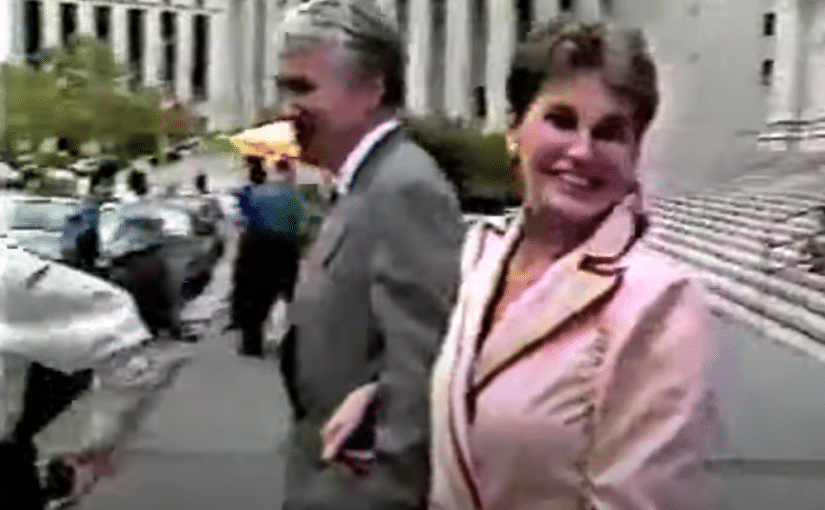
731	73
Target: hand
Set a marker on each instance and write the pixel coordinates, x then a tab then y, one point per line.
345	420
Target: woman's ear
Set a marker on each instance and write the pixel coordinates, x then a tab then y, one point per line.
512	144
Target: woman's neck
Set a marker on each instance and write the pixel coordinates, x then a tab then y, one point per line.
548	236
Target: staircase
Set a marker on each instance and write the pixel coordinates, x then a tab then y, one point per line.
744	242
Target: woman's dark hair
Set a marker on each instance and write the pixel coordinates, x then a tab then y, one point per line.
561	49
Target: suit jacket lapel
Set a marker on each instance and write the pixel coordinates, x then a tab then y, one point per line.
574	283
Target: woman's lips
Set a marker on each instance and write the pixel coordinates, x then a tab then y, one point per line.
576	180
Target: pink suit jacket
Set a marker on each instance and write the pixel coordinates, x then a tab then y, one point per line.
591	392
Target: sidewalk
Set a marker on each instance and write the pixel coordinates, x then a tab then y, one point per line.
212	441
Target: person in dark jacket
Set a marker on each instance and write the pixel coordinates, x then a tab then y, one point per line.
268	253
80	244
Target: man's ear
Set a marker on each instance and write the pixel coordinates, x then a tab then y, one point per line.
374	90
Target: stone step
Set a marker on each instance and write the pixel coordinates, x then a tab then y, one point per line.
743	267
776	231
723	306
719	278
784	262
757	209
799	217
774	196
740	240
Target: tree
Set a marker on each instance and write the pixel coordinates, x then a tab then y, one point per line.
79	93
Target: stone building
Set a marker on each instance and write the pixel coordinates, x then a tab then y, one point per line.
732	72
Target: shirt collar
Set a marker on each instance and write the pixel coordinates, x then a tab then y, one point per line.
346	175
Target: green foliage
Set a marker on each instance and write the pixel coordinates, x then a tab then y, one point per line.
471	160
80	93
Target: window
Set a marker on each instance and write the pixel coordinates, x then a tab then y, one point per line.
168	36
566	5
524	20
135	26
767	72
200	64
103	22
32	36
481	102
68	21
769	24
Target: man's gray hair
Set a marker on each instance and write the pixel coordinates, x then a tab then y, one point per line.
368	41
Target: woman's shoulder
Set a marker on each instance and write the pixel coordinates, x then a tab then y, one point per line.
645	267
655	285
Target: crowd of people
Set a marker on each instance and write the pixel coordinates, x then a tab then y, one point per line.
554	362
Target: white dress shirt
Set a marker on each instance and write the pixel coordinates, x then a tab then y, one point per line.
346	174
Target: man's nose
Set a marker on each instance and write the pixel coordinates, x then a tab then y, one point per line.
288	110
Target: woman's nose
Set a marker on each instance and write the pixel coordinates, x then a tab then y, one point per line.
582	146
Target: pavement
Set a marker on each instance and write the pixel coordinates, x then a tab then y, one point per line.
211	440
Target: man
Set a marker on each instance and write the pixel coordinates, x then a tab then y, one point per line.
267	256
56	319
257	176
375	289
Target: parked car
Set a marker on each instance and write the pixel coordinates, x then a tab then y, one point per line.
36	223
85	166
183	250
9	177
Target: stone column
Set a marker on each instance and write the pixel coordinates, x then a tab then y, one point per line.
457	93
544	11
588	10
120	34
152	48
183	84
85	18
271	53
419	32
220	81
12	47
50	23
390	8
785	97
501	40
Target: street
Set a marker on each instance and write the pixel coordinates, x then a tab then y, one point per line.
212	440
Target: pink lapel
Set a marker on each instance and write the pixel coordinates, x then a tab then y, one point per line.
572	285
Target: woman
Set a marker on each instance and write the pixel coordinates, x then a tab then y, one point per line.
574	372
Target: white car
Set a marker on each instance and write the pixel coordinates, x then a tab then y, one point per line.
84	166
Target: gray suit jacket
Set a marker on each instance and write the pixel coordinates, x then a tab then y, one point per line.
372	303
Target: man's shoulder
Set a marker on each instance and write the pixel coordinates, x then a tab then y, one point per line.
406	165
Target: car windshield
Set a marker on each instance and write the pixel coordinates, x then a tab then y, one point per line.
41	215
173	221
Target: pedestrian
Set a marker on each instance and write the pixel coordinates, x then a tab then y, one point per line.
59	324
267	256
576	370
375	289
138	186
240	276
80	238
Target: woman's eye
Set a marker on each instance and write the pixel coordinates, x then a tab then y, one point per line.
560	120
612	132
